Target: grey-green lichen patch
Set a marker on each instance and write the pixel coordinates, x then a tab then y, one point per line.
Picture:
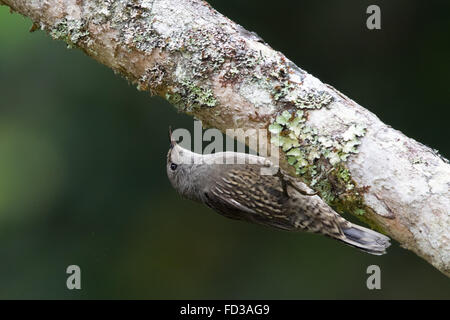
190	96
313	99
320	157
175	99
199	96
291	132
132	21
287	90
153	79
69	30
281	91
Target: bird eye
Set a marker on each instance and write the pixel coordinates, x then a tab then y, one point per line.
173	166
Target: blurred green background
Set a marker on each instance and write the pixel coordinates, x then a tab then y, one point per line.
82	164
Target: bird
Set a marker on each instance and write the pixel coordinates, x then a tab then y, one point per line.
231	184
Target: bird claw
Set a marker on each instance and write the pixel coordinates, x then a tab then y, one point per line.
284	179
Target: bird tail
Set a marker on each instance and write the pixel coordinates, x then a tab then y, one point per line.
365	239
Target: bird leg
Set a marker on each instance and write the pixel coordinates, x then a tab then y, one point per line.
286	179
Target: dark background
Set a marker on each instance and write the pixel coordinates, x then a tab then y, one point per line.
82	164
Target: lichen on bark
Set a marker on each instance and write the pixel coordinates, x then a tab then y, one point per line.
317	156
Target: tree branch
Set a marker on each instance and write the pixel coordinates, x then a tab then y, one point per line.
210	67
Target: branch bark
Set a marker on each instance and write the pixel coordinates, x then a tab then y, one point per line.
210	67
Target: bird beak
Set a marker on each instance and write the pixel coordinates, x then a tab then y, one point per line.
172	141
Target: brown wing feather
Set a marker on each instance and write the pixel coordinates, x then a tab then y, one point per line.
242	193
311	213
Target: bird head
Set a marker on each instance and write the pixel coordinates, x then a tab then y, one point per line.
180	165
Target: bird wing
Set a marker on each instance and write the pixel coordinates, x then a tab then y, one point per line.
242	193
312	214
